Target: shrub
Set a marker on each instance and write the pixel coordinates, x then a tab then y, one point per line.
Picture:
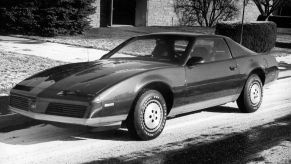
17	20
45	18
257	36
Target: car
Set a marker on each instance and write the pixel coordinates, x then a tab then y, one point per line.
146	79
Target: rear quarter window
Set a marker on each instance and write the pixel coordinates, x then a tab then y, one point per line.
237	50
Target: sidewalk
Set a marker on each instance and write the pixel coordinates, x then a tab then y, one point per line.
61	52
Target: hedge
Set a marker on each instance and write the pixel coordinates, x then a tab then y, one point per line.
257	36
45	17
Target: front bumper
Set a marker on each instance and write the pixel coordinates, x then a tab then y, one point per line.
108	121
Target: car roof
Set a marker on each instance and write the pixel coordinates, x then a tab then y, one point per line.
188	34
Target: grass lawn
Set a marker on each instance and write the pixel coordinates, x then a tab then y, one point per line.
16	67
108	38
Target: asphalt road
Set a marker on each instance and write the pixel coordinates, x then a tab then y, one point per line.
215	135
269	143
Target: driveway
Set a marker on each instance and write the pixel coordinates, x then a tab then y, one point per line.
215	135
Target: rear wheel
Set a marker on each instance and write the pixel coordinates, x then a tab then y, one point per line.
252	95
147	120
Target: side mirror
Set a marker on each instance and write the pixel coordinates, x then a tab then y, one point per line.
195	60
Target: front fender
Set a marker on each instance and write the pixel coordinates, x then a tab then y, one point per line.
152	79
123	94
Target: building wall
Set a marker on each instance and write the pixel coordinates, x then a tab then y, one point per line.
158	13
161	13
95	18
148	13
101	17
141	13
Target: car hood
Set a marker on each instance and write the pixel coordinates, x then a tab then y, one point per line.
84	78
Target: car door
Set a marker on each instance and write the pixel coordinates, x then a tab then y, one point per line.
216	80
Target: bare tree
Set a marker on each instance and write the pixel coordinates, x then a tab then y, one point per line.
267	7
205	12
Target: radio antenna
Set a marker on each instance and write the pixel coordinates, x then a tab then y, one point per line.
242	22
87	49
88	54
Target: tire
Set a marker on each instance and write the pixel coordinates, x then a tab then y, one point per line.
147	119
251	97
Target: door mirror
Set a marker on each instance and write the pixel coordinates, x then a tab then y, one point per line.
195	60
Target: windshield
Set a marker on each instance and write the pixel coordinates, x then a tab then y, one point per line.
157	48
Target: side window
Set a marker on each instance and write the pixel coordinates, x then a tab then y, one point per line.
181	45
211	49
203	48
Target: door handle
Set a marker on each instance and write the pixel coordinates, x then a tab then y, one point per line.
232	68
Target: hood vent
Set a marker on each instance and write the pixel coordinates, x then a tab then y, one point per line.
23	88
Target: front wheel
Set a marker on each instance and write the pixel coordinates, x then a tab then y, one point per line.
252	95
148	118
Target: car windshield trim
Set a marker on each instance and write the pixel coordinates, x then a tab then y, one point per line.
185	53
143	59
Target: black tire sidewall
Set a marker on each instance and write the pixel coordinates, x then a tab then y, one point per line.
140	106
249	106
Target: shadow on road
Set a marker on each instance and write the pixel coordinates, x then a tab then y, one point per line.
23	123
80	133
43	133
222	109
236	148
216	109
